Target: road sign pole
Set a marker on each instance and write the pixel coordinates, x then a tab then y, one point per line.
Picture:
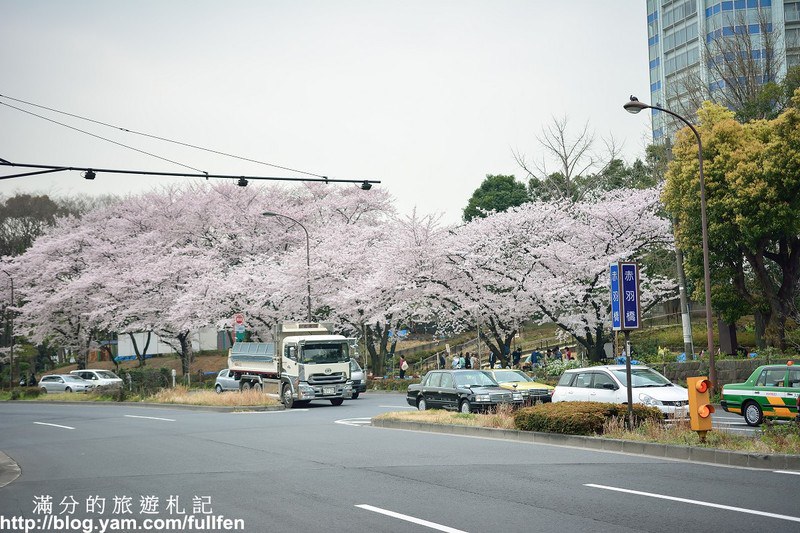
629	420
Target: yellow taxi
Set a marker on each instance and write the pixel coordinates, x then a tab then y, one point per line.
532	391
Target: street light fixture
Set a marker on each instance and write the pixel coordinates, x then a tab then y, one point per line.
308	255
634	106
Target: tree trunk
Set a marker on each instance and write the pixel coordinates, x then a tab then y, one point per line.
186	351
759	327
140	356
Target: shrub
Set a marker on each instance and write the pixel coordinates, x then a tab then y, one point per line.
25	392
390	384
146	381
578	418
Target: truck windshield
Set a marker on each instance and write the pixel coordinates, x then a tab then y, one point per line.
321	353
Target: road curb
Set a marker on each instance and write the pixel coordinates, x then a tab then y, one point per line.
665	451
214	408
9	470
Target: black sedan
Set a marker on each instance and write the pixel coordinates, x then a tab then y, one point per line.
459	390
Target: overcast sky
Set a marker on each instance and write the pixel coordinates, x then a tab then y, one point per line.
426	96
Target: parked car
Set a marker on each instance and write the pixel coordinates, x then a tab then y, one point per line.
64	383
459	390
609	384
226	381
358	377
99	378
532	391
771	391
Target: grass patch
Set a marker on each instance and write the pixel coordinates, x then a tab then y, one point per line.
182	395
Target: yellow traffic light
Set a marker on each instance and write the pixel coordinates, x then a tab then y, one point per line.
700	408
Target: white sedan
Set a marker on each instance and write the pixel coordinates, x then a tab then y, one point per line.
609	384
64	383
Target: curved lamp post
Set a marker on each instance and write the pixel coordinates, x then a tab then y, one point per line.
308	255
634	106
11	353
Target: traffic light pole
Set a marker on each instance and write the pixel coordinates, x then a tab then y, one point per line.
629	420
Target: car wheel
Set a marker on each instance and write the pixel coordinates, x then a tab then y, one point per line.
355	395
337	401
218	388
44	390
753	414
68	389
422	404
465	407
286	397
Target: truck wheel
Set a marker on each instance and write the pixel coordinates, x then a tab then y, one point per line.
257	387
245	385
355	395
337	401
286	397
753	414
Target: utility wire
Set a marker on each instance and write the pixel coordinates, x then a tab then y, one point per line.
103	138
151	136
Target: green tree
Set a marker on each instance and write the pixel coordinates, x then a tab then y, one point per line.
752	174
496	193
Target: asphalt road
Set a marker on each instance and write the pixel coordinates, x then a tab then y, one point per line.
321	468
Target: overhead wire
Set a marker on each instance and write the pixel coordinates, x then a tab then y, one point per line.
104	138
151	136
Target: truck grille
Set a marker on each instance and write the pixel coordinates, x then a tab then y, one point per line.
320	379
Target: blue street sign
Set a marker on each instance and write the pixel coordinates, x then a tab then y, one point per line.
629	295
616	310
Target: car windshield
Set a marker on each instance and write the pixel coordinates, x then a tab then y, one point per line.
325	353
642	377
105	374
476	378
510	376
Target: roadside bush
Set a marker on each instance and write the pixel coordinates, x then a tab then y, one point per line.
25	392
390	384
146	381
578	418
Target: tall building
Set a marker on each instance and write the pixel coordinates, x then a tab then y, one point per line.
710	48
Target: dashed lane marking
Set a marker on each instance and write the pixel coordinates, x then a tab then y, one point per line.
697	502
54	425
412	519
151	418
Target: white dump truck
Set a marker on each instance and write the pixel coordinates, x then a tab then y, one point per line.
305	362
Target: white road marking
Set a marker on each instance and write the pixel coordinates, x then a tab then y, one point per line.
151	418
795	472
268	412
398	407
54	425
697	502
357	422
407	518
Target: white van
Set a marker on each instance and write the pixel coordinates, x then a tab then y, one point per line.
100	377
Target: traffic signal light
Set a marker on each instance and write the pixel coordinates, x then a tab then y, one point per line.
700	407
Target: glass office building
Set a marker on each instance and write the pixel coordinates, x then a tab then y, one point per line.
685	37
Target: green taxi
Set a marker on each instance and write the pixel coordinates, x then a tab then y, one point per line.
771	391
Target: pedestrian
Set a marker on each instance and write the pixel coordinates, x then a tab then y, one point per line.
32	380
455	362
403	367
492	359
473	360
516	355
568	354
467	361
442	361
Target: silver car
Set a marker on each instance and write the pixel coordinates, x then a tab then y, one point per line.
358	377
100	377
64	383
226	380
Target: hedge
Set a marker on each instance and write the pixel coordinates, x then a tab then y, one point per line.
578	418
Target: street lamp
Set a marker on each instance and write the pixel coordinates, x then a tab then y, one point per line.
308	255
634	106
11	321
